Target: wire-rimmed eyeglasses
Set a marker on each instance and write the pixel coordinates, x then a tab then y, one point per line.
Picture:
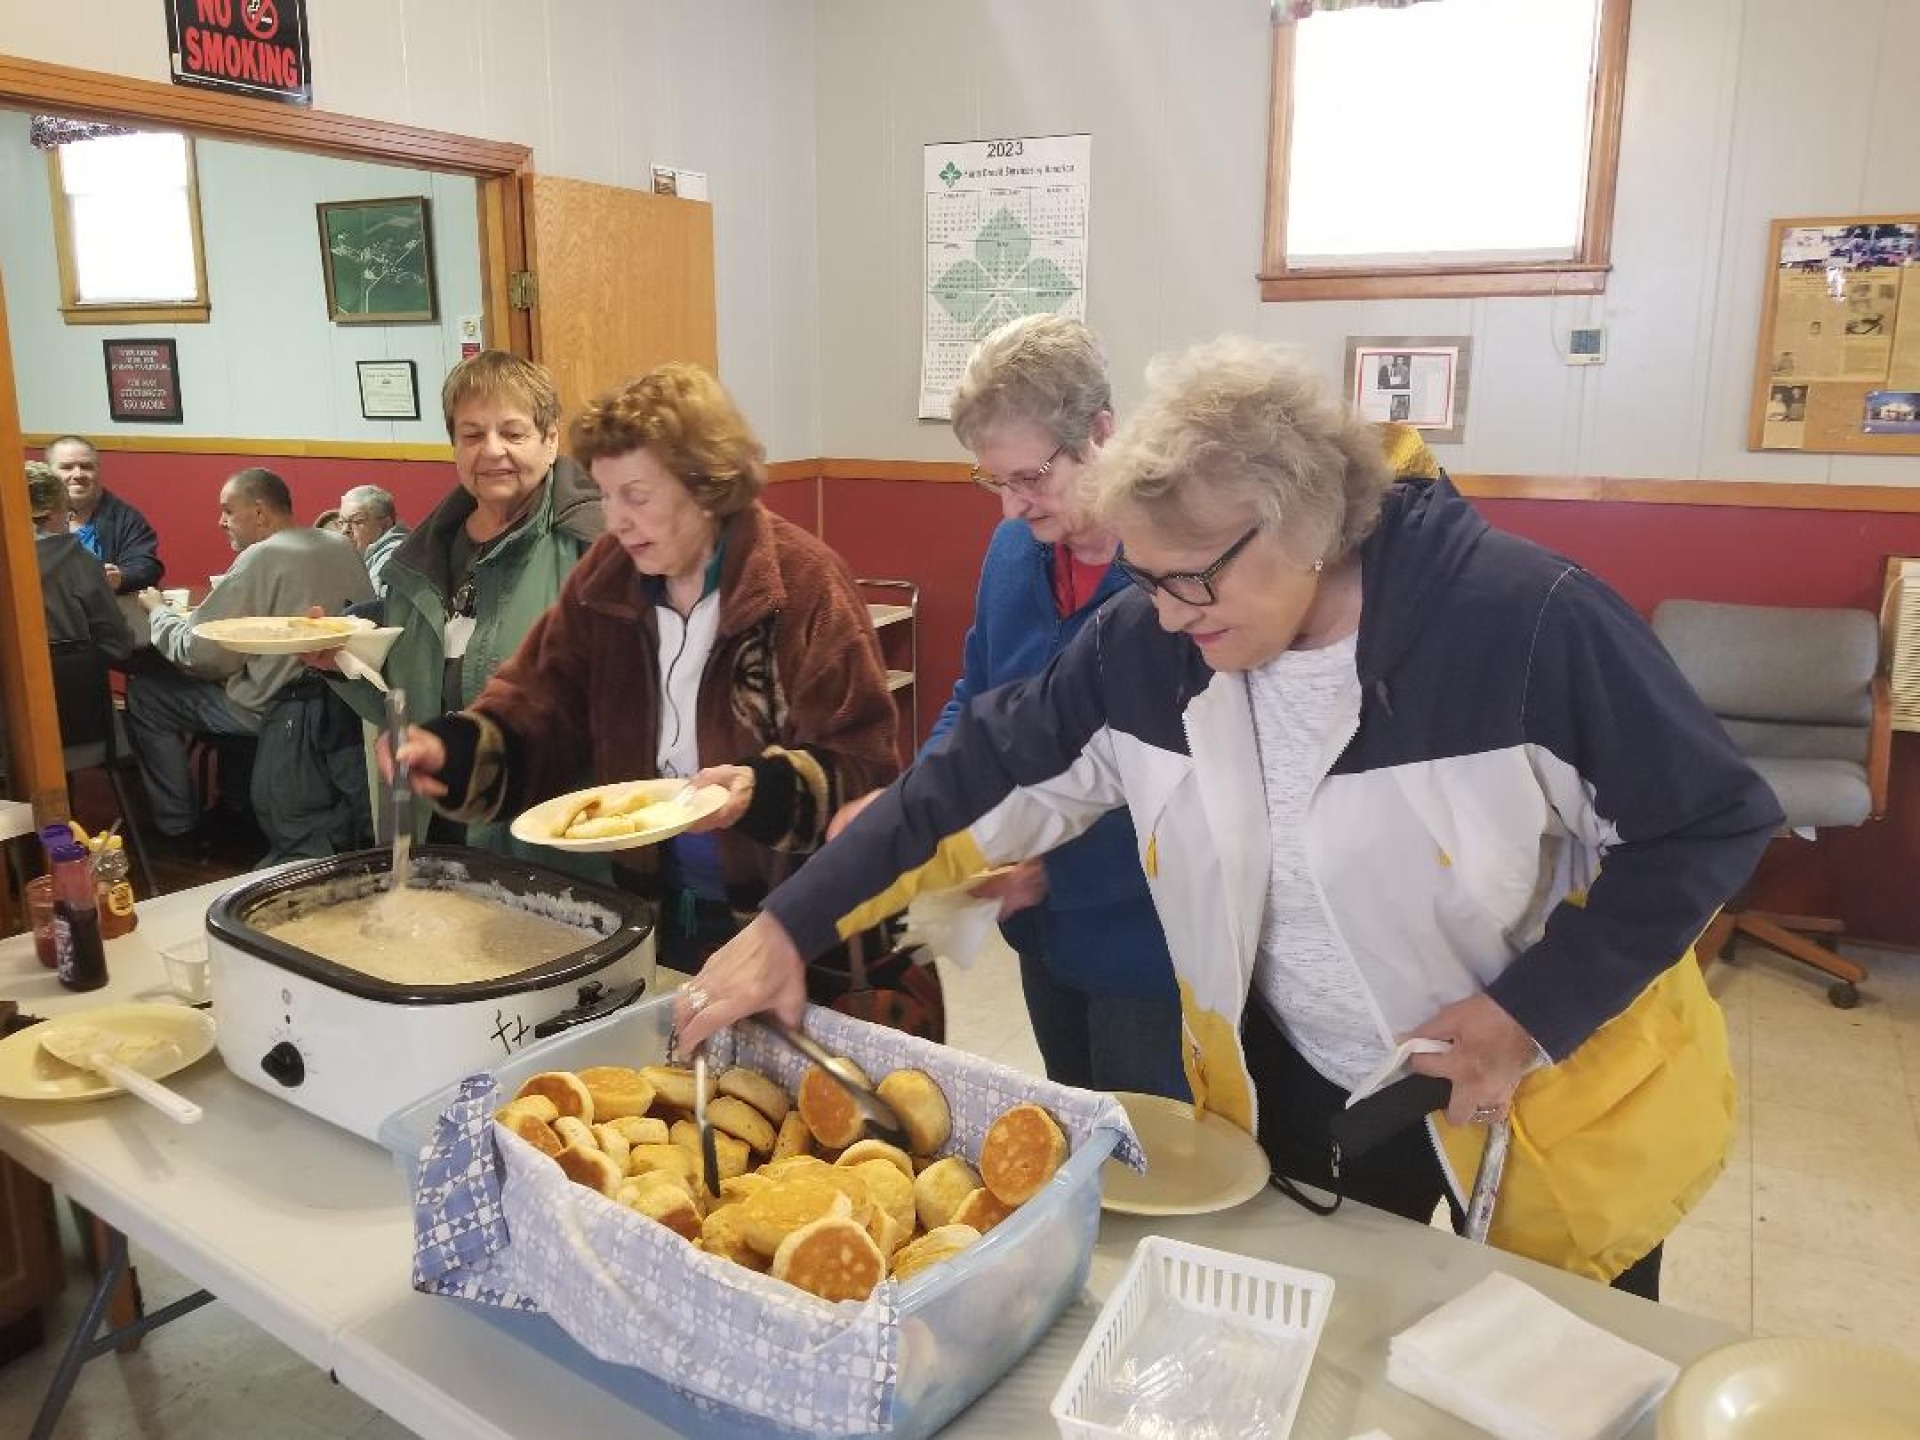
1189	587
1020	483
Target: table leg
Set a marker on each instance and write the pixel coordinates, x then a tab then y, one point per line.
124	1304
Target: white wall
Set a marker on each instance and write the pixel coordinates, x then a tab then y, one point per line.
1737	111
600	89
268	364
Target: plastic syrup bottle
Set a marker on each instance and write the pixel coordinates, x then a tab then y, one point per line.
82	962
113	887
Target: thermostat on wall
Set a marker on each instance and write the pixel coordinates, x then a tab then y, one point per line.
1587	346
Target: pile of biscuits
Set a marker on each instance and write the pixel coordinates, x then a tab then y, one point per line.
805	1195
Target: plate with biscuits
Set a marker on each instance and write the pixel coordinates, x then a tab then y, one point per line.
1197	1162
617	817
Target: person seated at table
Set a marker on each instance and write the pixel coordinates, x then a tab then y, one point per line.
374	527
110	529
79	604
281	568
703	636
1395	775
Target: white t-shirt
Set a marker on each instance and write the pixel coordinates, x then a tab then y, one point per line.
1303	974
685	646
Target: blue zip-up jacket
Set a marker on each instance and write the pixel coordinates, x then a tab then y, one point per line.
1101	932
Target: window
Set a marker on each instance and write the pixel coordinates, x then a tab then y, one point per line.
1465	147
126	223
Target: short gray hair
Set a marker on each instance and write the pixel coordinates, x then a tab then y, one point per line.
1236	422
1045	370
370	497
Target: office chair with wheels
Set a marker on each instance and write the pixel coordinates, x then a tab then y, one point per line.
89	738
1800	693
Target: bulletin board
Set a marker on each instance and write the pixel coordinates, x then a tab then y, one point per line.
1839	363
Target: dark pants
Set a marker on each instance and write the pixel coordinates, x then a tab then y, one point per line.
1401	1175
1104	1042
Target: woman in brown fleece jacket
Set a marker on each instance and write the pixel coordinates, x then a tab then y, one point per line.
703	636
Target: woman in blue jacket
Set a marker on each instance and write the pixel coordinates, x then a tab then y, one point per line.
1033	407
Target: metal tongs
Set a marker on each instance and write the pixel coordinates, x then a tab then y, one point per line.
702	1092
882	1123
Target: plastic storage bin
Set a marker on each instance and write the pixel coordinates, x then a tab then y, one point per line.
1257	1293
962	1323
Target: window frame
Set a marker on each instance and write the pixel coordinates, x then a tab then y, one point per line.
1584	274
75	311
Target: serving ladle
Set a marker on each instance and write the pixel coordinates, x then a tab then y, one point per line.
88	1047
383	919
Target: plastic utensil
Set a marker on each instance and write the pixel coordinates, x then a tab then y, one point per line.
87	1047
879	1115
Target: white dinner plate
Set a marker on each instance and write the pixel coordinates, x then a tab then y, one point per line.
28	1073
1786	1388
1194	1165
281	634
663	819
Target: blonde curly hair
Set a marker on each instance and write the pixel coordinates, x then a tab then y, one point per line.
686	418
1236	424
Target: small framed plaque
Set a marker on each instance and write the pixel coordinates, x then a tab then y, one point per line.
389	390
143	381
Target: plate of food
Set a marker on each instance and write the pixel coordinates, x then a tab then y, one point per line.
618	816
1196	1164
154	1039
281	634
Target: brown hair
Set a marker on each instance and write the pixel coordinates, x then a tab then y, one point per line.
683	415
502	377
46	491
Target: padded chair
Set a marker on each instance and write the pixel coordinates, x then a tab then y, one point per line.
1800	694
89	734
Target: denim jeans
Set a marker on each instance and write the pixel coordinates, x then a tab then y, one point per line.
1102	1041
164	710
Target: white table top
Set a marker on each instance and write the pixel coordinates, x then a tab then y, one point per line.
306	1230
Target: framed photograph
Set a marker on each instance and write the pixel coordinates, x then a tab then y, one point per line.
389	390
1417	380
377	256
143	381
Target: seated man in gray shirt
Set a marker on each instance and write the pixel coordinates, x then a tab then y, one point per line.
282	568
79	602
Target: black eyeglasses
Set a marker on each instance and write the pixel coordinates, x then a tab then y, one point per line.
1189	587
1020	484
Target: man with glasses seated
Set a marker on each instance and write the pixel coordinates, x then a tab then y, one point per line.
374	527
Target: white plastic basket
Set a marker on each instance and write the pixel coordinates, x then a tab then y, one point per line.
1256	1293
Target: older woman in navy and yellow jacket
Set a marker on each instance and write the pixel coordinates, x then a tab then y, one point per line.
1393	774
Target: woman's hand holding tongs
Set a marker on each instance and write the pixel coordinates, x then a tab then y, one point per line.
760	969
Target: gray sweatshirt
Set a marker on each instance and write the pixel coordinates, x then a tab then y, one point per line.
282	576
80	603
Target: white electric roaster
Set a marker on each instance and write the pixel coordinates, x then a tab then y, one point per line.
353	1049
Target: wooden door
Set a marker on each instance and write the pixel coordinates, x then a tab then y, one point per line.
623	281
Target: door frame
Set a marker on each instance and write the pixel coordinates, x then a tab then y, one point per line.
495	166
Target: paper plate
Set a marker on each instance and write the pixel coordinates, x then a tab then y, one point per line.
281	634
1794	1389
29	1073
663	819
1194	1166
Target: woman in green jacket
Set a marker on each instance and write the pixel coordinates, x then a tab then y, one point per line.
470	581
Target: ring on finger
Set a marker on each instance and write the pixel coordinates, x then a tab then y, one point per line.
1485	1114
697	999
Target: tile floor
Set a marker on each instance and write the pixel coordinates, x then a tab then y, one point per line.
1814	1229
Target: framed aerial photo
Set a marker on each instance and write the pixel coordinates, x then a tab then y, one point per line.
377	256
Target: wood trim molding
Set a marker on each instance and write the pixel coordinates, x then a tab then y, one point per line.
1728	494
1546	277
231	445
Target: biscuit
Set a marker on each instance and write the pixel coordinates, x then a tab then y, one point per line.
862	1151
573	1131
794	1138
613	1144
941	1243
759	1091
982	1210
853	1186
538	1106
773	1169
735	1188
564	1089
617	1090
1021	1151
740	1119
888	1188
660	1198
723	1234
590	1168
641	1129
939	1189
886	1231
922	1107
833	1258
828	1110
672	1084
671	1158
530	1128
731	1153
770	1215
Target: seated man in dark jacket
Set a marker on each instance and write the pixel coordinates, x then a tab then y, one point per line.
112	531
72	585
